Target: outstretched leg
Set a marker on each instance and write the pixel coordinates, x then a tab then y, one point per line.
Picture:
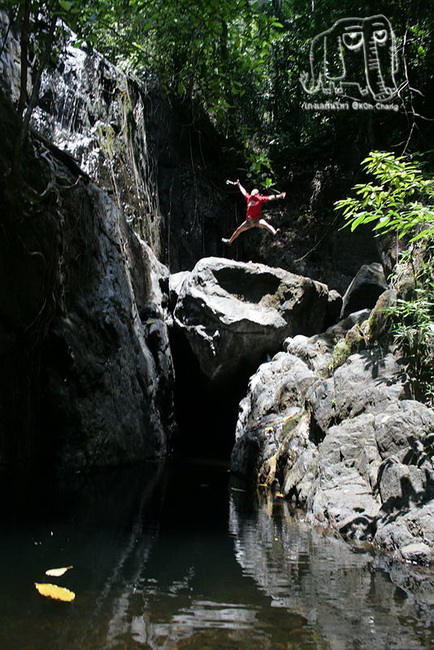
267	226
246	225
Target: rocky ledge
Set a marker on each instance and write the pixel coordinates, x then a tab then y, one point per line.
342	438
328	419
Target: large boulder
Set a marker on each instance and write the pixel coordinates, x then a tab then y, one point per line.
365	288
235	314
280	384
284	392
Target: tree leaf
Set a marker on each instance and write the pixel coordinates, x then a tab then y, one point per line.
55	592
56	573
65	4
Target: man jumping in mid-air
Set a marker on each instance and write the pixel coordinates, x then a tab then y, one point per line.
254	212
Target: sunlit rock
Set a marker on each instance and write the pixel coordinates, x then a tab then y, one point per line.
345	443
234	314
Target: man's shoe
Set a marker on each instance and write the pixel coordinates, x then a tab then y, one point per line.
226	241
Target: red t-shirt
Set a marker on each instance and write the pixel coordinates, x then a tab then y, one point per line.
254	205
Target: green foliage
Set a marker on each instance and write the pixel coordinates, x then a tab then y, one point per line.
400	201
214	52
259	168
412	325
241	61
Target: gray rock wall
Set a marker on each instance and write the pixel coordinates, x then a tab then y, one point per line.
348	444
87	369
113	377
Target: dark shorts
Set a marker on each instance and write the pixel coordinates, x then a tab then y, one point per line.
251	223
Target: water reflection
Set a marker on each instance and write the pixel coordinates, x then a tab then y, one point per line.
341	590
174	557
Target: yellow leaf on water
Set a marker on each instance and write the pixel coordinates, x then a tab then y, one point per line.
58	572
53	591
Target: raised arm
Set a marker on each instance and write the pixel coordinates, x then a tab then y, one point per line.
273	197
242	190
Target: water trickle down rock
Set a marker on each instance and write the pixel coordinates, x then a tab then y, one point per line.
93	111
87	367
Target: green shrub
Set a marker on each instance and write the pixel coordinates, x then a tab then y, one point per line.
401	201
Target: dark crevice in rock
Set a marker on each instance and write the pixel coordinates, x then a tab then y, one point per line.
316	433
206	413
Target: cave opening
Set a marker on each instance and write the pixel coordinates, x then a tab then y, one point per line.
206	413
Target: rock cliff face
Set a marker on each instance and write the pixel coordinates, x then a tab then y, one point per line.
82	306
87	370
146	152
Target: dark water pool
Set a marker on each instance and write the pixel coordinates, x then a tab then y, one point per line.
172	556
